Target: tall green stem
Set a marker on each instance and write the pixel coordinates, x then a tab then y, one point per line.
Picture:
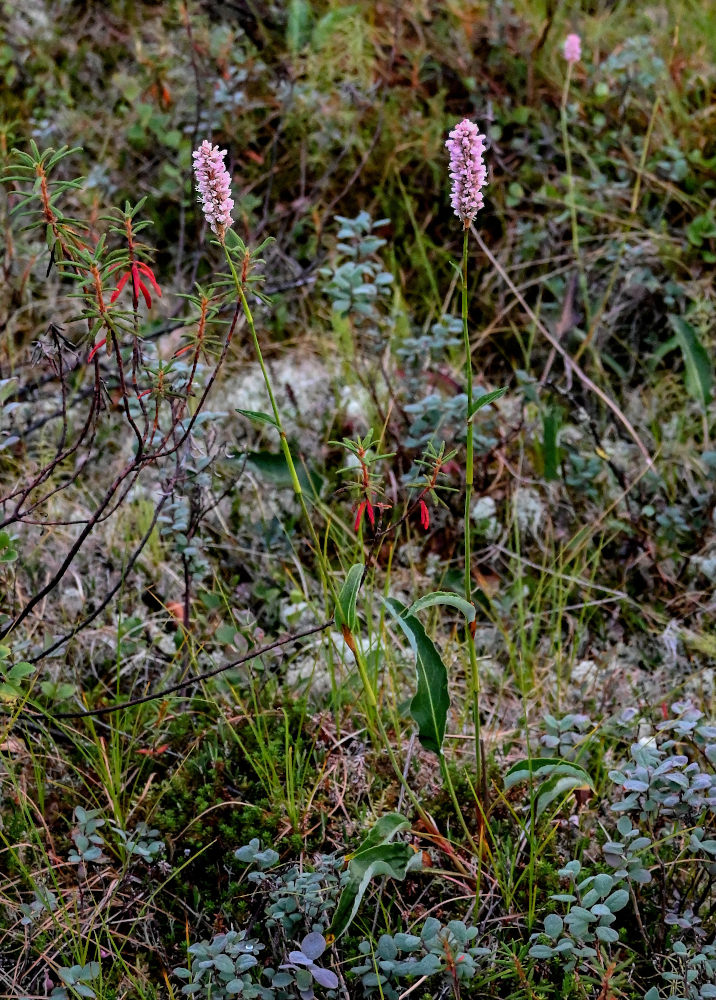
469	477
295	482
572	204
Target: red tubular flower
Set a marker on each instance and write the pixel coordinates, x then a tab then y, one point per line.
363	506
137	270
95	349
359	515
371	515
424	515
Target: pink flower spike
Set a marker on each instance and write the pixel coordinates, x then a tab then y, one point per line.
213	185
573	49
467	170
424	515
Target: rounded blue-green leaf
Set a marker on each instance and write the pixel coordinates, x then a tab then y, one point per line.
324	977
387	948
617	901
565	945
603	883
579	928
407	942
313	945
553	925
303	979
541	951
224	964
607	934
446	598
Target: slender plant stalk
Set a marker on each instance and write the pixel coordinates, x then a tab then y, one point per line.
572	205
469	478
329	590
330	594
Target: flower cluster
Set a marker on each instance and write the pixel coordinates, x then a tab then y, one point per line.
572	48
363	506
137	270
214	186
467	170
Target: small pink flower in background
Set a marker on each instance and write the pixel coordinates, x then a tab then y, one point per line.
214	186
467	170
573	48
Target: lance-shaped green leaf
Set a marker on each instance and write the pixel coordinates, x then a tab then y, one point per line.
298	26
375	856
556	777
699	371
7	388
345	613
444	597
554	788
258	417
485	400
544	767
430	705
551	422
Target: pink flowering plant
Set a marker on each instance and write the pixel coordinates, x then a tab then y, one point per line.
214	187
468	175
572	49
113	277
467	170
368	510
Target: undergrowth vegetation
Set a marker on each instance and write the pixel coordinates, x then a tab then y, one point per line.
357	552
